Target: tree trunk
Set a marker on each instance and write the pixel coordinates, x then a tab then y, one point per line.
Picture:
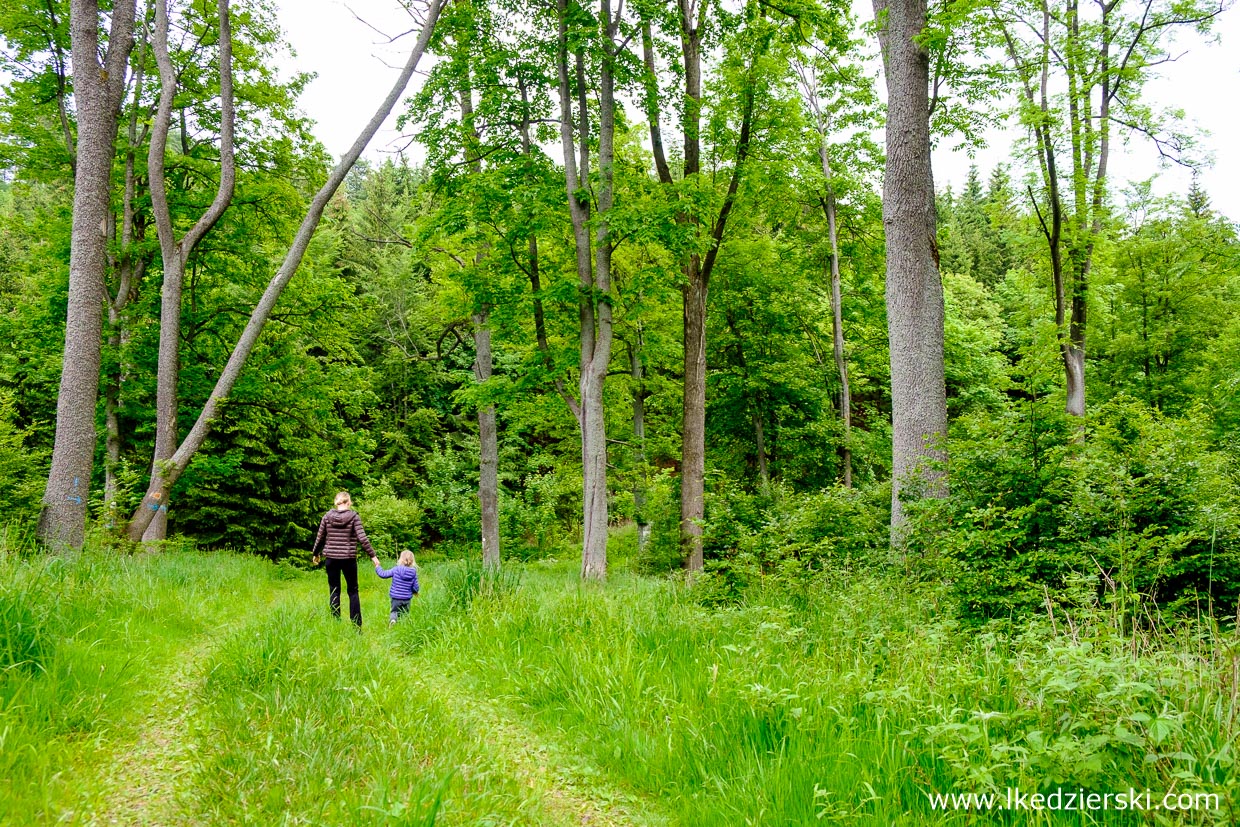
129	267
637	371
98	91
759	441
166	474
914	291
175	252
488	444
488	458
694	294
837	318
693	419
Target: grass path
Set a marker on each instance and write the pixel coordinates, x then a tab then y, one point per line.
142	787
571	792
146	782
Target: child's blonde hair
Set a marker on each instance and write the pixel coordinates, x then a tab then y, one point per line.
343	500
406	558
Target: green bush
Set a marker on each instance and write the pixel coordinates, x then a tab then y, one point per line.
1139	503
392	522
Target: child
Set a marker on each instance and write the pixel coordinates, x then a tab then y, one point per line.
404	577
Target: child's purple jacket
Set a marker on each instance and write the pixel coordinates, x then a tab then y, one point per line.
404	581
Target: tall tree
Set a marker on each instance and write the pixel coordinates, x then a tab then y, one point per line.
1102	60
98	89
593	271
175	252
914	290
165	474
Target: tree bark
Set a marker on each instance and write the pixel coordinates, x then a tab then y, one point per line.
129	268
837	327
98	91
914	290
175	252
595	281
167	473
488	459
693	305
637	370
488	441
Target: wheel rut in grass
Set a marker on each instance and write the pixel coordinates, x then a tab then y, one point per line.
573	793
144	784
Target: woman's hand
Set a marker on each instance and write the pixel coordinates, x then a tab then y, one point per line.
314	560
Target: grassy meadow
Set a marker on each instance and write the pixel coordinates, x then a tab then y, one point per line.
192	688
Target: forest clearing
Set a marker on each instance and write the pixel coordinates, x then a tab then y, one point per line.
759	473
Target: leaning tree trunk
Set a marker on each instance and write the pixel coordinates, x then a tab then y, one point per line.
98	91
165	475
914	290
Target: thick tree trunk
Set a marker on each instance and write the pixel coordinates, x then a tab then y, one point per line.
166	474
914	290
488	458
98	90
693	419
595	281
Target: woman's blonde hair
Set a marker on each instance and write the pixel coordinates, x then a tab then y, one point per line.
406	558
343	500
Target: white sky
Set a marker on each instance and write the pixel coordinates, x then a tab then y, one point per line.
356	67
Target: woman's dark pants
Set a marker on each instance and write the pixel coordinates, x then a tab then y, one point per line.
349	568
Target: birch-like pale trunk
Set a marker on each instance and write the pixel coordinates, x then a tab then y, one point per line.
594	275
166	474
914	290
98	89
175	252
809	88
837	324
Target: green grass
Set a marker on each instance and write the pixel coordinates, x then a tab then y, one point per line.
220	688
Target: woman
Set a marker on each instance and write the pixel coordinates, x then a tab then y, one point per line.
340	532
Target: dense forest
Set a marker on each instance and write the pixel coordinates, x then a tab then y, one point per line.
655	290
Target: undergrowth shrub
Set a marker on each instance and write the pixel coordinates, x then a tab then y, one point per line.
1143	505
752	538
393	523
